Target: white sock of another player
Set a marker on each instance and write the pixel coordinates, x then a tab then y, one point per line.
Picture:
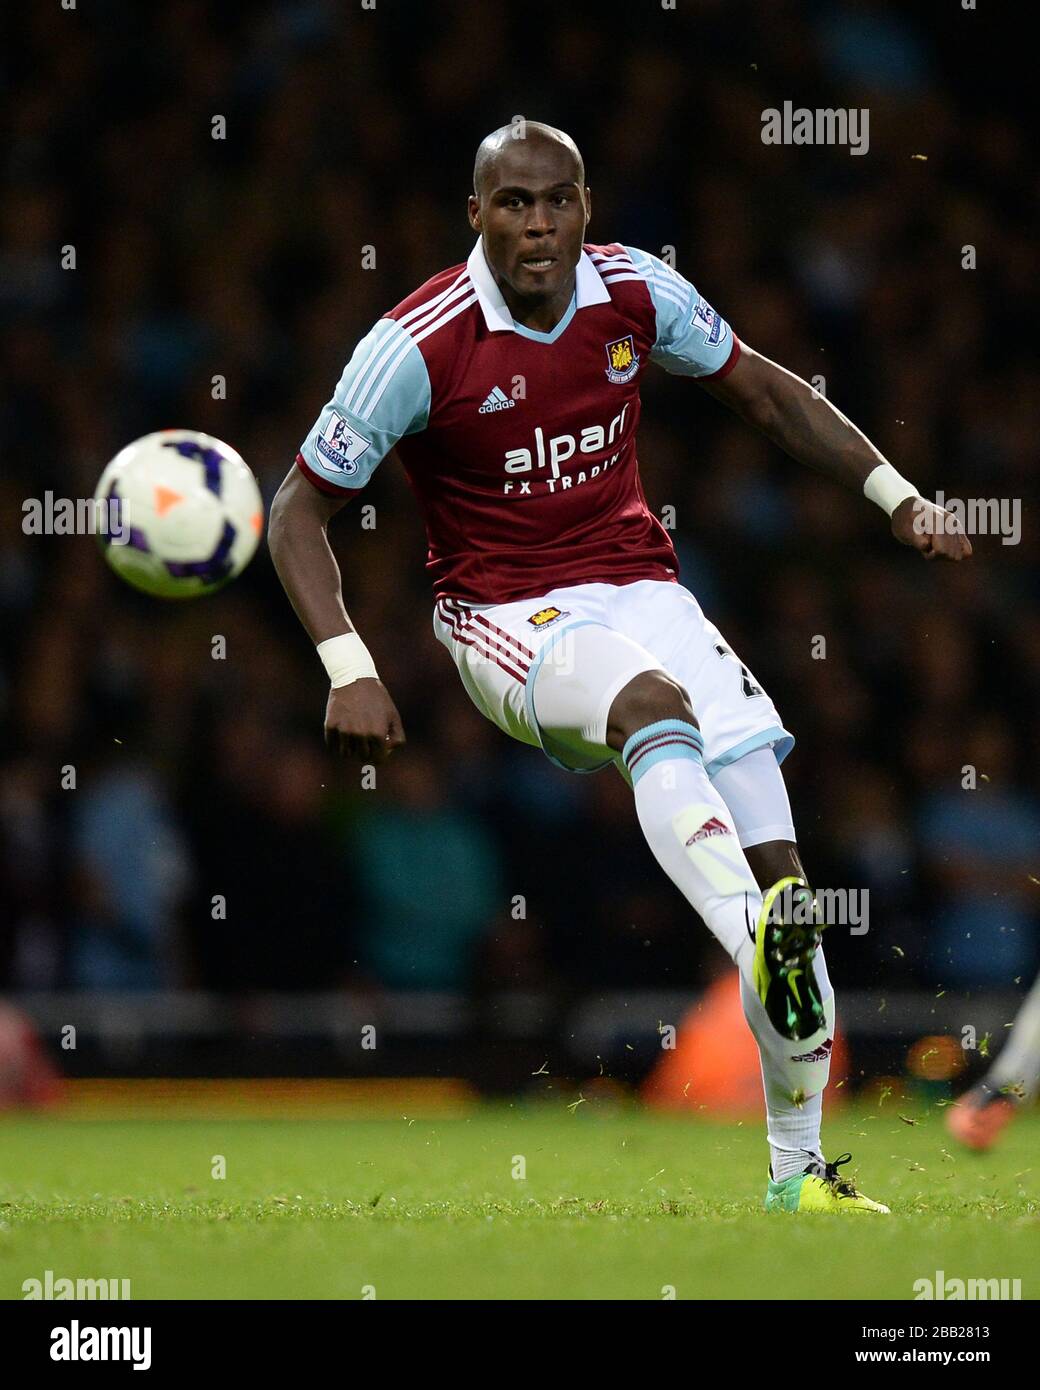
1018	1062
691	833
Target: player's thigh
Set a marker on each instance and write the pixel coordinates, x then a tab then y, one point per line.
578	678
734	711
545	671
493	663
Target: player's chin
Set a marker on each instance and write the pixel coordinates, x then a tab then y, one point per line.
546	276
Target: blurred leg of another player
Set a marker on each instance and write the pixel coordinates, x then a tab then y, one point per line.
981	1115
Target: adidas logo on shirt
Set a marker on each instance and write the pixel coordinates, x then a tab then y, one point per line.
710	827
497	400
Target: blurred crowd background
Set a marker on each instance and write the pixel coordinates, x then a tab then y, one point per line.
242	257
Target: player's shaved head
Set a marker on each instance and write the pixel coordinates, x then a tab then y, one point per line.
516	135
531	207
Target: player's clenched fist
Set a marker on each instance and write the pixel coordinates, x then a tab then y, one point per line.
362	721
932	530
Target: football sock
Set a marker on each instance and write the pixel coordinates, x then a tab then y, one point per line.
794	1075
691	833
1018	1063
801	1129
753	789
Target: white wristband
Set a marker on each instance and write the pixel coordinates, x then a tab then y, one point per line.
887	488
346	658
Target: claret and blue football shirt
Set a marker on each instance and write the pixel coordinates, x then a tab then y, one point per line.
520	446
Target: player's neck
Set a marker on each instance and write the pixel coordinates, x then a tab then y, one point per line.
541	314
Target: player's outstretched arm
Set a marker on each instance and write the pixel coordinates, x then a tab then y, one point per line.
805	425
361	720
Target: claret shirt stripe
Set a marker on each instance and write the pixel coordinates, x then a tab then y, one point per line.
445	318
396	346
432	303
603	258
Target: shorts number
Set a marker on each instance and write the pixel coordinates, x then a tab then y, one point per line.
747	681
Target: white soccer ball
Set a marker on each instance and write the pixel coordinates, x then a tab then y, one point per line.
178	513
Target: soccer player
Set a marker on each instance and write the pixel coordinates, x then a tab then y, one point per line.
1013	1080
509	386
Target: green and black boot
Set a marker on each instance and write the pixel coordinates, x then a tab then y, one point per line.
786	940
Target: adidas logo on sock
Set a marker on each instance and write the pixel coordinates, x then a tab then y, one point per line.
818	1054
710	827
497	400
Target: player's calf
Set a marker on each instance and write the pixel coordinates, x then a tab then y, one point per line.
774	860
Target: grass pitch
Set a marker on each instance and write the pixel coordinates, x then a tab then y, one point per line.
615	1203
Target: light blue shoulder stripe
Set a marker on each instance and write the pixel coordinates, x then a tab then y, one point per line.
672	296
692	340
386	381
383	395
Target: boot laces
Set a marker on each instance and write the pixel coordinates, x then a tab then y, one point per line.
845	1186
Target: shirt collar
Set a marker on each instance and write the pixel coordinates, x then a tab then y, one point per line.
589	288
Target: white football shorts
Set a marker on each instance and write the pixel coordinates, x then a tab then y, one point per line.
501	649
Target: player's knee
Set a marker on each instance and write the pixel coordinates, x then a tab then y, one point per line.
648	697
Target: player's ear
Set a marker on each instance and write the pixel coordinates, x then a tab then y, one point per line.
588	206
473	211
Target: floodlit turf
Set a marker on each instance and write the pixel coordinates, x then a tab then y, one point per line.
616	1203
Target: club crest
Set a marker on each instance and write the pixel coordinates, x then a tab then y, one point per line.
622	359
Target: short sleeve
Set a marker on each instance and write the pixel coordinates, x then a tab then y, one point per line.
693	339
383	394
